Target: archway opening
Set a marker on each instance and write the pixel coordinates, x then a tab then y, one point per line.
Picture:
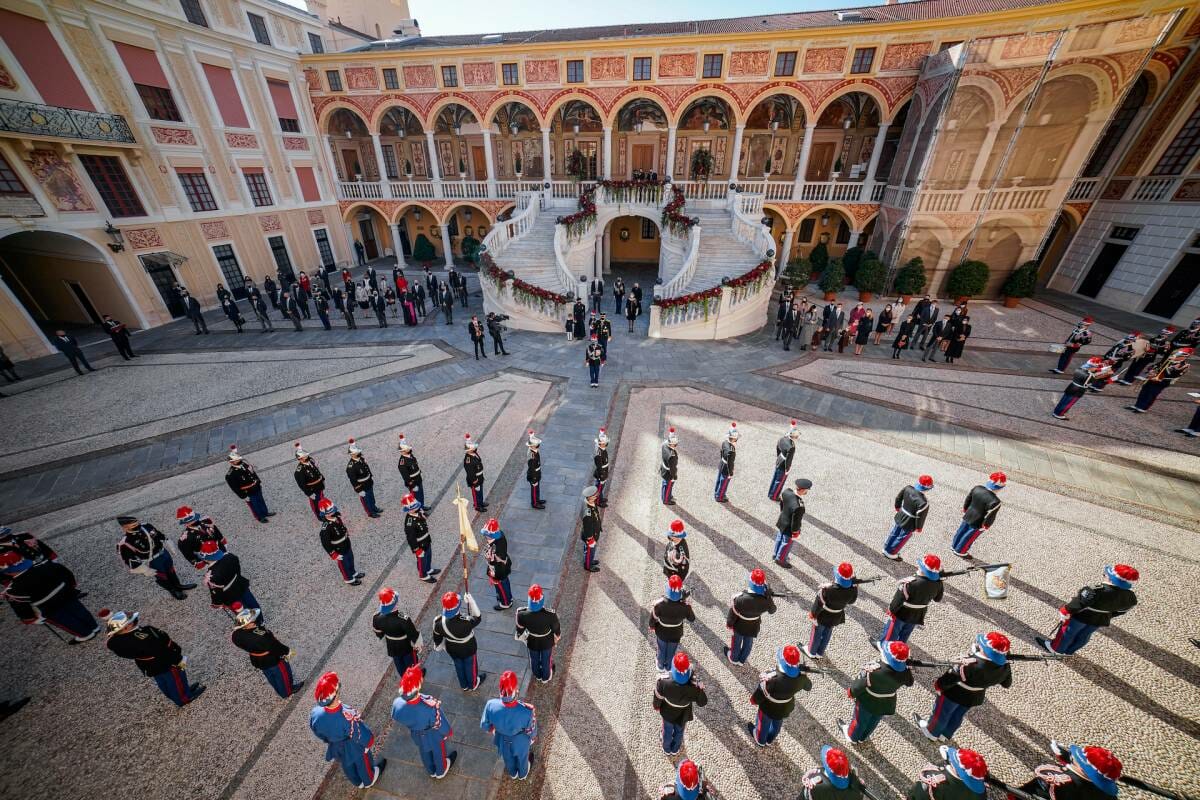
370	234
519	151
350	140
828	227
773	139
63	282
575	125
633	251
640	143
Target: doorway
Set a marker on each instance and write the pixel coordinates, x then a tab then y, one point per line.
351	165
84	301
820	161
479	163
367	232
642	158
1177	288
159	269
405	245
1102	267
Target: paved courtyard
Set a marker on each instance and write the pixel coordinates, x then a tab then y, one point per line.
147	436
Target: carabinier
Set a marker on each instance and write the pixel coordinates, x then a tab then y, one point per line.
410	471
785	451
26	545
667	618
745	616
833	780
600	466
309	478
454	632
960	778
197	530
1082	773
829	608
677	559
143	549
397	629
912	598
416	532
775	696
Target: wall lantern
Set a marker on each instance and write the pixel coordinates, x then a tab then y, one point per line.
624	234
458	130
846	124
575	127
707	124
514	128
467	214
348	134
118	239
417	214
825	219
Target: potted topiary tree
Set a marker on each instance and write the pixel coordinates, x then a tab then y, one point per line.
798	272
423	252
968	279
871	278
517	165
470	249
408	169
462	170
767	169
1020	284
850	261
833	279
910	279
819	257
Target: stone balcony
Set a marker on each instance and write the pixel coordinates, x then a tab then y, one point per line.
35	119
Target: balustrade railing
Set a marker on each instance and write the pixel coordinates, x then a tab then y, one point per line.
520	223
830	191
1083	189
1152	190
360	190
19	116
703	190
691	257
465	190
412	190
1014	198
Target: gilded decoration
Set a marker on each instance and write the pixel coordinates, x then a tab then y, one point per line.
904	56
608	68
541	70
361	78
214	229
479	73
58	179
677	65
820	60
182	136
749	63
143	238
419	76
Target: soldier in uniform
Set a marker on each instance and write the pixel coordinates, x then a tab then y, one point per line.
1081	773
537	626
829	608
668	468
725	470
874	691
1157	346
979	513
785	451
156	654
533	471
335	538
1078	338
416	531
45	592
196	531
513	726
677	559
675	693
1092	374
143	549
775	695
27	545
667	618
745	616
361	480
309	479
347	738
833	780
791	517
965	686
689	784
1122	351
911	600
1176	367
600	467
246	484
604	335
593	356
499	565
1092	607
960	778
454	632
397	629
428	726
226	584
410	471
267	653
473	466
590	534
912	507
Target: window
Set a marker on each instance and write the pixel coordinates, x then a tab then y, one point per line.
10	184
449	76
282	260
289	125
259	26
944	46
285	107
785	64
199	195
390	81
193	12
113	185
649	231
1117	127
323	248
158	102
389	161
575	71
843	233
863	58
315	44
509	74
334	79
260	191
231	270
1180	151
806	230
1123	233
713	64
641	68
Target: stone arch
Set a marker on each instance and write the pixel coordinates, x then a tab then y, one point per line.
446	101
964	133
349	211
881	103
521	98
392	105
343	114
785	89
836	230
565	112
706	107
325	117
709	90
461	204
405	207
631	96
988	87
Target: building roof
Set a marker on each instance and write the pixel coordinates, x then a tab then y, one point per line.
899	12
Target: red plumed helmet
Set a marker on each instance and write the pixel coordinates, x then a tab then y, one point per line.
998	477
326	688
1104	761
508	683
998	642
926	481
758	576
791	655
933	562
973	763
681	662
9	558
846	570
493	525
410	682
209	546
837	762
675	582
898	650
1126	572
183	512
689	774
677	526
449	601
387	595
325	504
535	593
1088	320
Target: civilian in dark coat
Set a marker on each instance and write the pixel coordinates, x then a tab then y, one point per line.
70	348
195	314
959	340
120	336
866	324
936	334
903	334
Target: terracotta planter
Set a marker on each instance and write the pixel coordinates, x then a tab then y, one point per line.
906	298
1011	302
830	296
865	297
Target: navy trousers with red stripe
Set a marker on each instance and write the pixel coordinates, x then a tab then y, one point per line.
314	503
589	555
477	496
721	487
467	670
503	592
280	678
1071	636
896	630
668	488
174	684
777	482
964	537
946	717
766	728
74	618
818	639
862	724
534	496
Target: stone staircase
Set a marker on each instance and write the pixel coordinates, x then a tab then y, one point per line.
721	254
532	256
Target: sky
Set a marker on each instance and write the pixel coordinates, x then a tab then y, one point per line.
444	17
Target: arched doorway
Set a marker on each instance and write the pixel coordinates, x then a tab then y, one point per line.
575	125
640	143
369	232
63	281
519	154
633	250
827	226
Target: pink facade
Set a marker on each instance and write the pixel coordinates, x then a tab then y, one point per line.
142	65
31	41
308	184
229	102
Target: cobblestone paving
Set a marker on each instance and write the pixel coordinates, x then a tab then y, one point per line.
1076	501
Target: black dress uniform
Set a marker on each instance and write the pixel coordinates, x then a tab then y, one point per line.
311	482
667	618
48	590
336	541
539	629
226	583
744	620
668	470
776	693
785	451
158	656
139	548
909	605
817	787
940	783
787	525
981	507
962	688
363	483
600	470
1092	607
673	701
28	546
194	536
416	531
456	635
1058	783
590	536
874	694
245	483
269	655
725	470
533	474
499	567
677	559
473	466
397	630
827	612
410	473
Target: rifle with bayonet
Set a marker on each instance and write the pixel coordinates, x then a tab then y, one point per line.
974	568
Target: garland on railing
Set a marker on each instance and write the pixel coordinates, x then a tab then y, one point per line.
624	190
754	278
523	292
679	224
582	219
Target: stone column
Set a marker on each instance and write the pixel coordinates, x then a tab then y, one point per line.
785	251
395	226
985	152
489	161
546	176
435	170
385	185
735	156
670	152
333	156
853	239
802	167
607	263
607	155
876	154
447	250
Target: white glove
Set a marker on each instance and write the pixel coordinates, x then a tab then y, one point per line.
362	494
472	609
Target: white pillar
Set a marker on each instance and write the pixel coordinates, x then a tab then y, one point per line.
876	154
853	239
333	157
598	258
802	167
607	263
395	227
607	155
735	157
670	152
384	184
546	177
785	251
985	152
435	171
489	161
447	250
